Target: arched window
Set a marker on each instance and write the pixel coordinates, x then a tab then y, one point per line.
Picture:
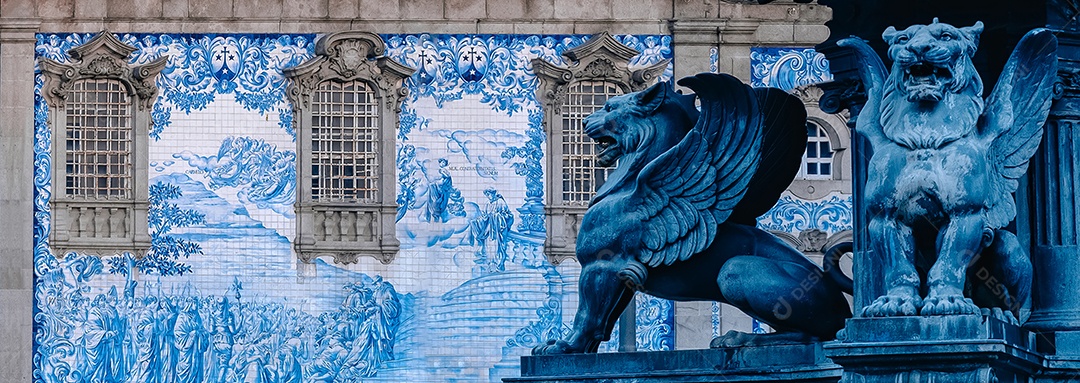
346	101
598	70
826	165
818	157
99	112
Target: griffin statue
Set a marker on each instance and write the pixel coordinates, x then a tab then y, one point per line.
945	165
676	219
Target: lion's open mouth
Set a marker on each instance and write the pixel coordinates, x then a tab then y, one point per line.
607	151
926	81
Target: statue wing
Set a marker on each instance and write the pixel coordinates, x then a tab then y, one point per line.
684	193
1014	116
783	143
872	72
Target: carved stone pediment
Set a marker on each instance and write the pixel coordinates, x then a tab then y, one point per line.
602	57
348	56
104	56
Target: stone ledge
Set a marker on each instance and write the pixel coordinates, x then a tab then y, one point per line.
946	349
780	363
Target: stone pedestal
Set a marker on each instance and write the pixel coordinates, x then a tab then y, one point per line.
803	363
942	349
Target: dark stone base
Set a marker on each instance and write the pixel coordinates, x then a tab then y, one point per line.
1059	369
941	349
780	363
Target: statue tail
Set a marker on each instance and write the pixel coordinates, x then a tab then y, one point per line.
831	265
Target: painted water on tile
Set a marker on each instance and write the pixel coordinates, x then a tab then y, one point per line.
221	297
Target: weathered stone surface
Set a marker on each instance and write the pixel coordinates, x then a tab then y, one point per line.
379	10
343	9
56	8
91	9
694	9
539	9
172	8
693	330
466	9
507	9
134	8
641	9
257	8
18	8
304	9
810	33
583	10
210	8
16	267
422	9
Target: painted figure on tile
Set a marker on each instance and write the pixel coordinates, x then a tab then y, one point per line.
945	166
676	219
489	230
102	339
500	222
222	341
191	342
372	313
444	200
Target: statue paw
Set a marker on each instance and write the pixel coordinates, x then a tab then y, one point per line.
733	339
948	305
554	347
730	339
893	305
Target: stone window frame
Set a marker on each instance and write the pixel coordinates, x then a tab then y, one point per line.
88	225
345	57
836	128
600	58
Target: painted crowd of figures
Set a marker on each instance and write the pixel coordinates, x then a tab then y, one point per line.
184	338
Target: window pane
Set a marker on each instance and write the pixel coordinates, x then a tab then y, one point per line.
817	160
344	146
581	175
98	139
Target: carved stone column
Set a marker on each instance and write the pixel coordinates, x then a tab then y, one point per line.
846	92
1053	203
17	207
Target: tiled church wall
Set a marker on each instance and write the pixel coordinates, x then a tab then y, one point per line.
469	292
455	305
462	300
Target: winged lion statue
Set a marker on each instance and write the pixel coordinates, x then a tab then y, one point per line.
676	218
945	165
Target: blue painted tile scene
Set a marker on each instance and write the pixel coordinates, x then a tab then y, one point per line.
221	296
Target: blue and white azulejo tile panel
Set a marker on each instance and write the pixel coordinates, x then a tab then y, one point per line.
787	68
221	297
